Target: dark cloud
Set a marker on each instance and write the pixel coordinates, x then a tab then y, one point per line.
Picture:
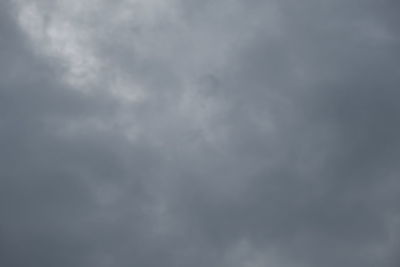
199	133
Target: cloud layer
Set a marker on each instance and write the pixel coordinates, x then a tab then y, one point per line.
199	133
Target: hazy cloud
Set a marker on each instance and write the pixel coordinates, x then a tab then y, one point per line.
199	133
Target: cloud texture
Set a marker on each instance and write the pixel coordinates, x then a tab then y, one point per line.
199	133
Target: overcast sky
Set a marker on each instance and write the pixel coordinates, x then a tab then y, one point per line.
199	133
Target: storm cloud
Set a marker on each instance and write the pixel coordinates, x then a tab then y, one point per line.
199	133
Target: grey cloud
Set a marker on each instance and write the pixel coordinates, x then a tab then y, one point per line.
264	134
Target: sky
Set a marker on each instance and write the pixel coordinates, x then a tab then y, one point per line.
201	133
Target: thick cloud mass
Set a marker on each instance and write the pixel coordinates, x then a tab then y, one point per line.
199	133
